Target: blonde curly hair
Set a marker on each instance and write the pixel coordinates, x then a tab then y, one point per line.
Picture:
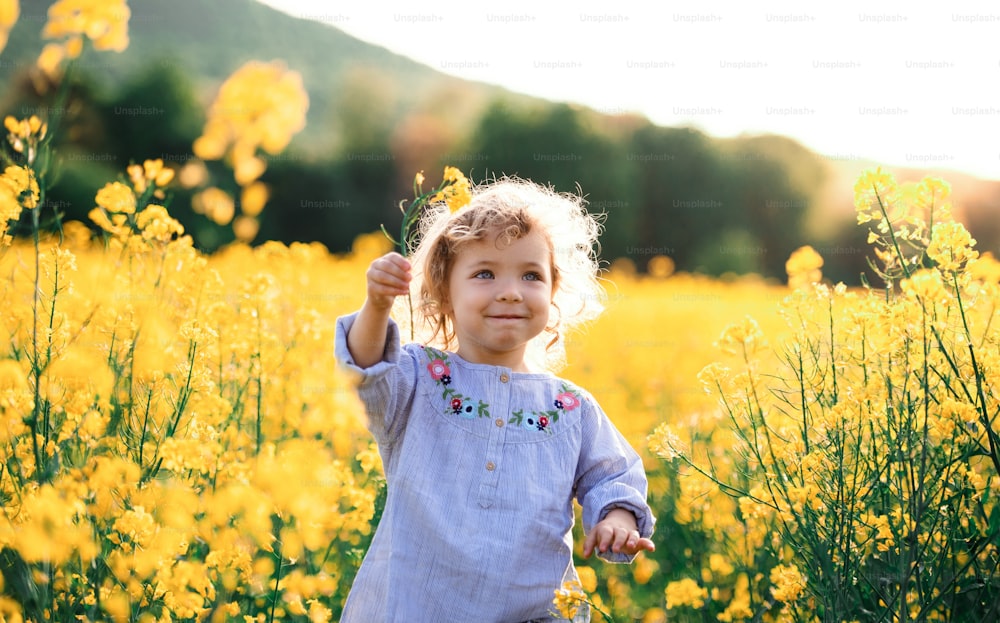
510	207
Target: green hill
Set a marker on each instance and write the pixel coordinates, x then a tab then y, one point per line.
209	39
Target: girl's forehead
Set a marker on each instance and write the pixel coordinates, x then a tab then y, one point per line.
496	243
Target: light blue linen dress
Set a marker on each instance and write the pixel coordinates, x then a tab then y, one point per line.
482	466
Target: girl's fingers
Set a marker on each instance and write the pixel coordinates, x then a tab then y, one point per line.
616	538
389	276
634	544
394	264
631	543
603	537
398	260
595	540
621	539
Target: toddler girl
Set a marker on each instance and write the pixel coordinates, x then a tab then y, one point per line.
484	448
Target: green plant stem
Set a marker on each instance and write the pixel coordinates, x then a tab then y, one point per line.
36	366
145	423
601	611
411	216
47	427
892	234
277	583
260	385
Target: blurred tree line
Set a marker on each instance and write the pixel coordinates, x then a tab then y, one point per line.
713	206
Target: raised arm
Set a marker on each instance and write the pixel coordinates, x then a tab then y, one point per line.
387	277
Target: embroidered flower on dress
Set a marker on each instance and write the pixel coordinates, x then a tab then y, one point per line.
567	401
531	421
458	404
458	407
439	371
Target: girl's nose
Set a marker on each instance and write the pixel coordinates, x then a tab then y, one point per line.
509	292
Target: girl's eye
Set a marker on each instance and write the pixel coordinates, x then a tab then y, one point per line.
483	274
532	276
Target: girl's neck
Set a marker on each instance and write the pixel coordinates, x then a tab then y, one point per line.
514	360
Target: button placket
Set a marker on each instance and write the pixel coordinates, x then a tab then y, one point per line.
500	405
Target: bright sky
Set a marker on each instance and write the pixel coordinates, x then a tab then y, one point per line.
903	83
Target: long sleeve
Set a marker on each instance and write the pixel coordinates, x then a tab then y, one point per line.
610	475
386	388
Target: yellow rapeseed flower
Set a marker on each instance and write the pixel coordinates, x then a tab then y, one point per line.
25	134
655	615
12	376
77	370
985	268
787	584
458	193
104	22
10	10
193	174
318	613
660	266
926	285
370	460
951	246
51	58
245	228
803	267
156	224
741	338
51	529
568	599
685	592
253	198
643	569
874	187
260	106
149	171
10	210
588	578
22	183
720	565
216	204
740	608
665	443
116	198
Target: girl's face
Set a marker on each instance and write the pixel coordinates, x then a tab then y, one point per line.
499	296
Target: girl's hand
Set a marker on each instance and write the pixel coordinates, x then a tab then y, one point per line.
388	277
619	532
